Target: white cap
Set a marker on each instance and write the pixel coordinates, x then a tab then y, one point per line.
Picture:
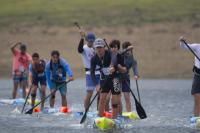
99	43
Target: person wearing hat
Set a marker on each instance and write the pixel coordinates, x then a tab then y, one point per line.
21	60
87	52
109	81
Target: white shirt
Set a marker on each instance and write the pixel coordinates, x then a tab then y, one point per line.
87	54
196	48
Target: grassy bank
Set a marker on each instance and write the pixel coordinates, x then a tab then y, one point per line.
96	12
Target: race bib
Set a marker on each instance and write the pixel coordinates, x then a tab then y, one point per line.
106	71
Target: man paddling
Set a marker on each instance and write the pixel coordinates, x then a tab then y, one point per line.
56	73
196	78
109	76
129	62
21	60
87	52
37	78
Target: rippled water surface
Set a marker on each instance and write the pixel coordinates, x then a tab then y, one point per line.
168	104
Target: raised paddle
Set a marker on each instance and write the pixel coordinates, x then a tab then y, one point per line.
140	110
31	110
190	49
77	25
86	111
29	92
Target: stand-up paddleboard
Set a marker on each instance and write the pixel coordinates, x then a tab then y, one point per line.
107	123
130	115
195	122
104	123
18	101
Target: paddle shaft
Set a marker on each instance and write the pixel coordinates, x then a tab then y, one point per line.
45	98
136	81
77	25
106	44
191	49
87	109
29	92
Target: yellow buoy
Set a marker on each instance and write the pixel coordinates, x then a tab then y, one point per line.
104	123
130	115
36	101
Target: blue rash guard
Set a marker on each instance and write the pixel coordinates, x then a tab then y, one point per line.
56	72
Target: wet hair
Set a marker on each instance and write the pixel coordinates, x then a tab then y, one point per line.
55	52
35	55
126	44
114	43
23	47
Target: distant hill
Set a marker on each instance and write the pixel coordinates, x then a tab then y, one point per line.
96	12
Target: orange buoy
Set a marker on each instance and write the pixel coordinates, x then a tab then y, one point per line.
36	110
64	109
107	114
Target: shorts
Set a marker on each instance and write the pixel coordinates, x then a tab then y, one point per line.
39	80
126	85
196	84
90	86
62	87
19	78
111	84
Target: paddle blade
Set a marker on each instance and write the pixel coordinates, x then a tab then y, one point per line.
83	118
30	111
77	25
141	112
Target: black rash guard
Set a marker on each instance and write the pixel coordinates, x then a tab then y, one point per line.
106	78
80	46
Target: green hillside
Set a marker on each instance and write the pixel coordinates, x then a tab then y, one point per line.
96	12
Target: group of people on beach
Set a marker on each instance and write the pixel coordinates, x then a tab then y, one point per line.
106	71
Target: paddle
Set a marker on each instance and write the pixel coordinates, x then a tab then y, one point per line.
31	110
140	110
136	81
86	111
190	49
29	92
77	25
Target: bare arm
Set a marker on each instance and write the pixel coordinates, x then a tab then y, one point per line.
13	47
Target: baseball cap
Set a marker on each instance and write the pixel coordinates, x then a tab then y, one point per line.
99	43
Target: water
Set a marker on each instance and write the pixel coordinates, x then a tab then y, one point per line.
168	105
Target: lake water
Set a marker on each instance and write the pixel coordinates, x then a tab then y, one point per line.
168	104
